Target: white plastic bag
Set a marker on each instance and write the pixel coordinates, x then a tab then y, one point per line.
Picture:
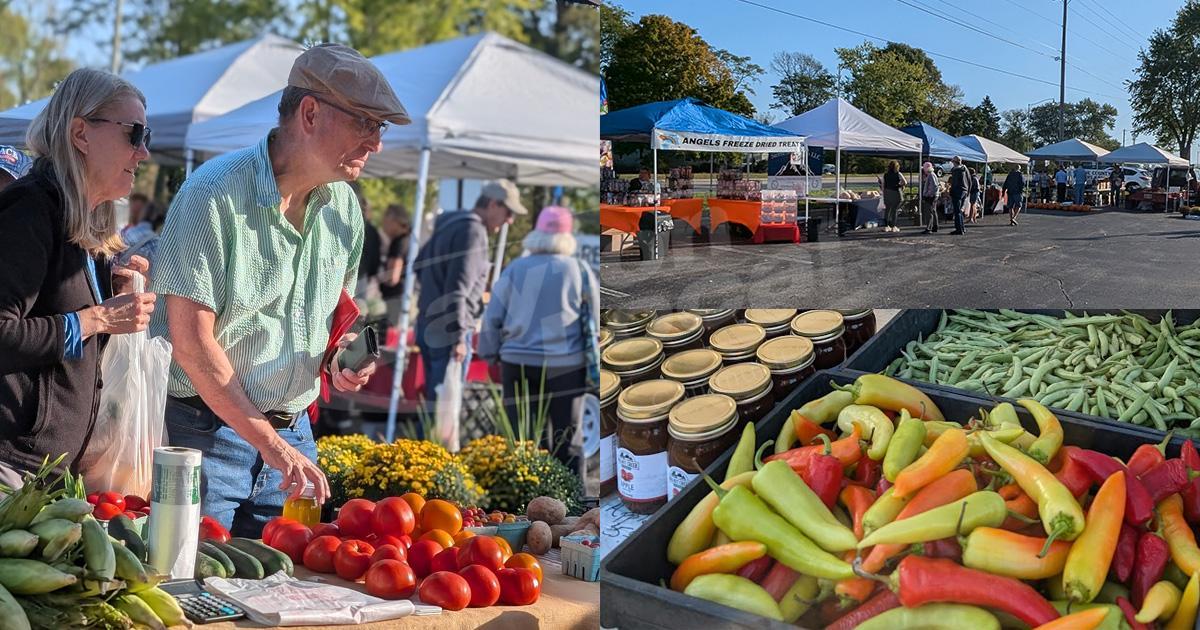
129	424
449	405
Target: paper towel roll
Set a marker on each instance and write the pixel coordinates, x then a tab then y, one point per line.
174	529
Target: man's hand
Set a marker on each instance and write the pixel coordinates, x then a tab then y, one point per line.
345	379
460	352
296	468
122	280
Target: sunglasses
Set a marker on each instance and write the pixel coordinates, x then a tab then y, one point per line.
138	134
366	126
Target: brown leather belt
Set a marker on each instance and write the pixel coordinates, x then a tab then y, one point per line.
279	420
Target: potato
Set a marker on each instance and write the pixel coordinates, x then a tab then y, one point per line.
591	516
562	529
547	510
539	538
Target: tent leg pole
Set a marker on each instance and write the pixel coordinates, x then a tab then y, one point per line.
191	158
654	190
837	204
414	244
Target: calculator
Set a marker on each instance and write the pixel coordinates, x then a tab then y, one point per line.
199	604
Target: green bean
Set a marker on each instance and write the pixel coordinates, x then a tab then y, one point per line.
933	368
1101	404
1134	408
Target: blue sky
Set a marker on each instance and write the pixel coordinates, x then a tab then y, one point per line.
1103	38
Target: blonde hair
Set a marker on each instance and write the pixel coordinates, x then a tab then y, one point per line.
85	93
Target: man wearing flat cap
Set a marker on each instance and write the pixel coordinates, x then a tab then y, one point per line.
258	246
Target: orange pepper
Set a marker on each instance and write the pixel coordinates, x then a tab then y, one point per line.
1013	555
1018	502
944	455
1092	552
857	499
1179	535
1083	620
951	487
724	559
807	430
855	588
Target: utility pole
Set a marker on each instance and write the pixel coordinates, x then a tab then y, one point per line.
1062	76
116	40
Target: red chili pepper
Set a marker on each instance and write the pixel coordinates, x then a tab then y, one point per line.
1191	501
1126	553
1072	474
927	580
882	486
881	602
1165	479
944	548
779	580
868	472
1147	456
823	474
847	450
1152	556
1130	613
1190	455
1139	507
756	570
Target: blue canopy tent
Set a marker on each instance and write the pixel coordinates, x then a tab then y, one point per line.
689	125
939	144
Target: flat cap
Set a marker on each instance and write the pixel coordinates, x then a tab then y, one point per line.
350	80
506	193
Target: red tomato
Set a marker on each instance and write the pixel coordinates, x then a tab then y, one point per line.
519	587
94	498
407	540
113	498
391	579
326	529
481	550
446	589
525	561
447	560
133	515
421	554
134	502
269	530
105	511
389	552
393	517
211	529
393	541
352	559
485	587
292	539
318	555
354	519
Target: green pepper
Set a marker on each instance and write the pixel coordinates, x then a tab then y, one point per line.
787	435
932	617
736	592
979	509
1004	414
799	598
744	516
873	423
884	510
1114	620
905	444
743	456
782	489
826	408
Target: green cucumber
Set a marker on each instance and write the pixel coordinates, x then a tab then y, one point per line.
245	565
121	527
216	554
272	560
207	566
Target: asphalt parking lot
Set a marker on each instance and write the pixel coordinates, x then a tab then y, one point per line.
1053	259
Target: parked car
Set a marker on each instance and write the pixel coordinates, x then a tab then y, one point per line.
1135	178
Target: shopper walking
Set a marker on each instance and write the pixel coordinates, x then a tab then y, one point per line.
1115	181
929	195
960	188
1014	189
893	195
976	198
1080	183
1060	181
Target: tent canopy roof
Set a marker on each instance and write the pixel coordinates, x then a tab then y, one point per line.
487	107
191	88
1073	149
838	124
686	115
939	144
994	151
1143	153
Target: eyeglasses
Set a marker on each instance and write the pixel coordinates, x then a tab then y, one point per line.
366	126
138	134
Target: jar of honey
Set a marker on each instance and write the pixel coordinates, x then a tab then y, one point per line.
737	342
634	360
604	339
303	509
643	409
610	388
625	324
692	368
825	329
677	331
775	321
749	385
714	319
860	326
790	359
700	430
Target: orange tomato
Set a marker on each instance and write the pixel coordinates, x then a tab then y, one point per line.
443	515
463	536
524	561
415	501
440	537
505	548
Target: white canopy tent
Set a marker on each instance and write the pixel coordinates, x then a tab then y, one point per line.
841	126
994	151
1073	149
482	107
183	91
1143	153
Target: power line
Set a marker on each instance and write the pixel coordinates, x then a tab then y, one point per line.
1116	21
926	50
1125	39
1058	24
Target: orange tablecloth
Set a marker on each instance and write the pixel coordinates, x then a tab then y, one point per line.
625	218
747	213
688	210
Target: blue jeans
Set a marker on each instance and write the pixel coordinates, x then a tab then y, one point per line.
957	202
1079	193
236	487
436	361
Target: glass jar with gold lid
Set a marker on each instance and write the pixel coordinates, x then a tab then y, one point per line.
610	388
860	326
634	360
714	319
692	368
790	359
625	324
643	409
737	342
604	339
825	329
700	430
775	321
677	331
749	385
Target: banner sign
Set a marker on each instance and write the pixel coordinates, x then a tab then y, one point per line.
687	141
790	171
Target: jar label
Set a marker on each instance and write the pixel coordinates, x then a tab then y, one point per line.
677	480
608	458
641	477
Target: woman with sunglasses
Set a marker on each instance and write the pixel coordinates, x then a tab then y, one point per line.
60	296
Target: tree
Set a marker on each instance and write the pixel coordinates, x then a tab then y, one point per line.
740	68
987	119
1086	120
804	83
30	62
615	23
897	84
1016	134
659	59
1162	92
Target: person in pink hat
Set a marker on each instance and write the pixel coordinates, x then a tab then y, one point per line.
536	326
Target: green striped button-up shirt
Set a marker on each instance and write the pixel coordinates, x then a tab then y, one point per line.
226	245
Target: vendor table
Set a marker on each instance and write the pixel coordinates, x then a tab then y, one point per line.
565	603
626	218
747	213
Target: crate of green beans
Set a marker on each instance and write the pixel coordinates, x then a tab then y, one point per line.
1138	367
